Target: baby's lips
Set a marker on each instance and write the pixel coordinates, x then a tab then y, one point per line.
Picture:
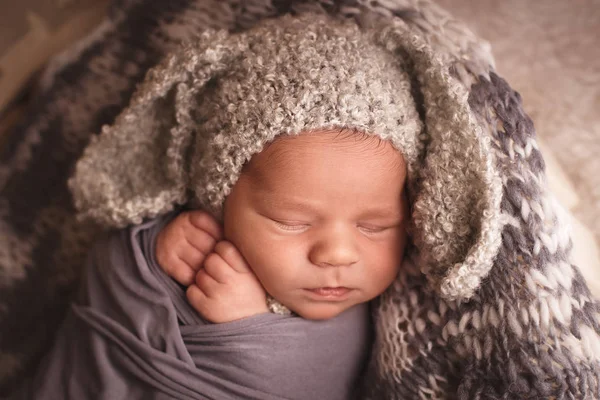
338	293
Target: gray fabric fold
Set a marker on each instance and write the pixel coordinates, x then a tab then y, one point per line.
131	334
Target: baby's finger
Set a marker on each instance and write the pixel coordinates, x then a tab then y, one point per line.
232	256
198	239
196	297
182	273
206	283
175	267
217	268
189	255
206	222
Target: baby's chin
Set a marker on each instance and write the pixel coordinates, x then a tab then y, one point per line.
320	311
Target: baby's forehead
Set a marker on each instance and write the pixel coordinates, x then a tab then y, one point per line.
324	167
356	144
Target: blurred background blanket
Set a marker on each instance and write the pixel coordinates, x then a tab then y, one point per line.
545	49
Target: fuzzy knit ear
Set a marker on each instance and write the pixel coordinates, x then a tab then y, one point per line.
456	193
136	167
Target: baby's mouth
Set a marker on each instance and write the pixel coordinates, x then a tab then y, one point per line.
332	293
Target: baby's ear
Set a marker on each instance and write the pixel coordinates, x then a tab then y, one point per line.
456	192
137	167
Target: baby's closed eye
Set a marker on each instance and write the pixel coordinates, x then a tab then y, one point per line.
373	228
369	228
291	225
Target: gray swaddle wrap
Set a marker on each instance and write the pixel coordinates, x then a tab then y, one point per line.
132	335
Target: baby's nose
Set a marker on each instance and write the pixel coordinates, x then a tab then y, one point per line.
334	251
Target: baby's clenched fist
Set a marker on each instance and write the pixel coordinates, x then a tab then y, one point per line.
226	289
182	246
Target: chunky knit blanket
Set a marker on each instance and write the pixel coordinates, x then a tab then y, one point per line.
530	331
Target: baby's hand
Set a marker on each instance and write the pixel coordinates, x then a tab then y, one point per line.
182	246
226	289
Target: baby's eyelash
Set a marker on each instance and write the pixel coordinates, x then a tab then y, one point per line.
374	229
299	226
289	226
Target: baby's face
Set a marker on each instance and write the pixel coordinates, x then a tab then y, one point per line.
321	220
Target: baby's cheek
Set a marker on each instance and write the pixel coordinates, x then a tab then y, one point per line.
383	271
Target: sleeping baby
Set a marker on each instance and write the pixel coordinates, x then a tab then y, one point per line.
313	210
317	220
290	147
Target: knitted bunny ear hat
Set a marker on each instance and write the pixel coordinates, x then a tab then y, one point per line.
203	112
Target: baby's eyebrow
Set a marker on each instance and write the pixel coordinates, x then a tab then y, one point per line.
389	212
383	213
276	201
